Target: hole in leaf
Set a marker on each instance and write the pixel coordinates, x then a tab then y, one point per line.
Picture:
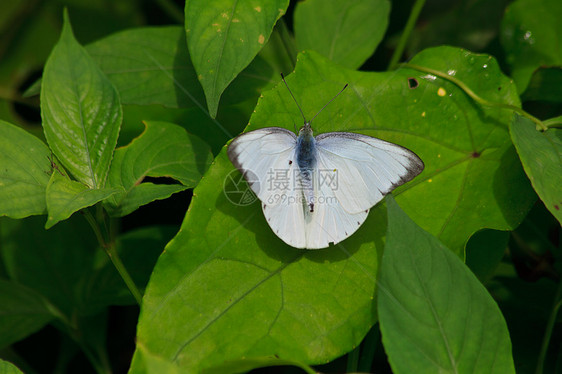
413	83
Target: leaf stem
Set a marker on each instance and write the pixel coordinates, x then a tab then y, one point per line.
553	122
111	251
549	326
410	24
474	96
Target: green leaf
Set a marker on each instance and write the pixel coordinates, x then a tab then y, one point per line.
293	303
224	36
434	314
80	110
22	312
545	85
464	146
314	306
24	172
8	368
149	65
65	196
541	155
530	36
355	28
162	150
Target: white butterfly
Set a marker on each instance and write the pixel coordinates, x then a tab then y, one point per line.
318	190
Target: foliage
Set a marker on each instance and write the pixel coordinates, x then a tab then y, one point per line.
133	126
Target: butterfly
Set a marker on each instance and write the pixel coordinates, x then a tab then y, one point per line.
317	190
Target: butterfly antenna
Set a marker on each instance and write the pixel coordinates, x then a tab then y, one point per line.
293	96
328	103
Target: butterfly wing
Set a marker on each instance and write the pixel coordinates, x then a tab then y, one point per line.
292	221
264	156
329	223
361	169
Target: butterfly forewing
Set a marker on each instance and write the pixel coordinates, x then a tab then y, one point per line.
366	168
266	155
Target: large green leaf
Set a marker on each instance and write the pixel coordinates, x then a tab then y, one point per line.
541	155
24	172
435	315
530	36
226	287
149	65
162	150
81	111
22	312
224	36
65	197
354	32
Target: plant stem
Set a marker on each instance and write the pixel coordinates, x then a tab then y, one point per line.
549	326
474	96
553	122
111	251
410	24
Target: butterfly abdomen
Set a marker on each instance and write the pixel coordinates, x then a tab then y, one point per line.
306	160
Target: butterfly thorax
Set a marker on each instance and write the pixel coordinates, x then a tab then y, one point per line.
306	160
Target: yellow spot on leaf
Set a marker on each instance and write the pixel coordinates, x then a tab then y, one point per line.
261	39
429	180
423	114
235	20
224	15
441	92
258	9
